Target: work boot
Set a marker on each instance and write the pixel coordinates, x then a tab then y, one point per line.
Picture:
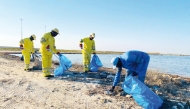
108	92
27	70
49	76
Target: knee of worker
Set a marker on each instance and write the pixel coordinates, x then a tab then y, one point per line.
44	64
46	57
86	61
49	64
86	57
141	78
26	60
142	75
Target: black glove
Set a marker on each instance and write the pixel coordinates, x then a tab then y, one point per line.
58	53
21	47
48	48
80	45
112	88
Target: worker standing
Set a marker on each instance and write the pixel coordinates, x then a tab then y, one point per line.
47	49
27	47
89	48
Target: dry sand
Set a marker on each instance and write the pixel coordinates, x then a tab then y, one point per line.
76	90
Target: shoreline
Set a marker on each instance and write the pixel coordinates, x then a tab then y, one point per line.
17	50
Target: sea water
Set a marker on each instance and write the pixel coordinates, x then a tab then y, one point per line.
178	65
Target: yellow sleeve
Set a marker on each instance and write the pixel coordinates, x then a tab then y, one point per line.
33	48
93	46
54	48
44	39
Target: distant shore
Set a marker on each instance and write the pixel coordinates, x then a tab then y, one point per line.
16	50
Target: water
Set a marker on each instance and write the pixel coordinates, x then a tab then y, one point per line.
178	65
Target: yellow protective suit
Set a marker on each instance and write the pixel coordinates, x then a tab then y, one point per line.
46	40
26	52
88	49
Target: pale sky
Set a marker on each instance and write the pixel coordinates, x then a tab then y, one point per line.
120	25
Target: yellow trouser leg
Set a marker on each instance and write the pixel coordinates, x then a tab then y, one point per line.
46	64
86	61
26	60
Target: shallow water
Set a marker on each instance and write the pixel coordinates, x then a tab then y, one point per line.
179	65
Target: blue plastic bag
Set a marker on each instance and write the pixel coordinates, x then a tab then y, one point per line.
95	63
65	64
141	93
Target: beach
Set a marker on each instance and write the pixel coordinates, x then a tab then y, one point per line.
30	90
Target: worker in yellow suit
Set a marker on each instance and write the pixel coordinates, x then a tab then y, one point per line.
89	48
27	47
47	49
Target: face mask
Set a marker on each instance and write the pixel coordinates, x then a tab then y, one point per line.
91	38
31	38
53	33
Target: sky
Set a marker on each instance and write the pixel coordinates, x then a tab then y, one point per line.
161	26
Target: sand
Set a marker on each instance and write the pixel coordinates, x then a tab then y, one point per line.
75	90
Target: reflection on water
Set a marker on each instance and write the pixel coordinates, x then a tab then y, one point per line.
179	65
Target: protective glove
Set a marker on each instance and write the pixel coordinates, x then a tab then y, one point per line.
80	45
47	48
21	47
112	88
33	53
58	53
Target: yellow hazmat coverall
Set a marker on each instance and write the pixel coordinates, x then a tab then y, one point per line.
26	52
88	49
47	40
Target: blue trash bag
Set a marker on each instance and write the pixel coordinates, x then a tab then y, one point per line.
141	93
95	63
65	64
